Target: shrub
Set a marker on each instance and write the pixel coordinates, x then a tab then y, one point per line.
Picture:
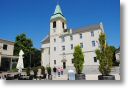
35	70
49	70
78	59
42	70
28	71
105	56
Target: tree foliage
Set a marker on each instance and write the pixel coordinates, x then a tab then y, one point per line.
32	56
36	58
78	59
24	43
104	55
113	49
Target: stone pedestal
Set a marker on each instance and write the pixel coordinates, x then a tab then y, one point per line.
103	77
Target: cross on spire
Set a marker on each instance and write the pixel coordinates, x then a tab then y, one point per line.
58	2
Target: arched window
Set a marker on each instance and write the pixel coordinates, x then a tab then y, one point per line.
63	25
54	24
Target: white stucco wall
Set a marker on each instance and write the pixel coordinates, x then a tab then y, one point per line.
117	57
88	50
9	50
45	55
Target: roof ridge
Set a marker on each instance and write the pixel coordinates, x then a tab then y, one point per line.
87	26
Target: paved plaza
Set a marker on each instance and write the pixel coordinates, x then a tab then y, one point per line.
90	72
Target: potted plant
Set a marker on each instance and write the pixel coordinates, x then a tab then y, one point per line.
78	63
49	73
43	72
35	70
28	71
105	57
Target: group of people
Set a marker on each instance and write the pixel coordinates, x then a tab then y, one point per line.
58	71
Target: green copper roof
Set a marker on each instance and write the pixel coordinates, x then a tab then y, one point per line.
58	13
58	10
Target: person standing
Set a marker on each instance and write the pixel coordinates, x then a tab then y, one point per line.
54	70
58	70
62	70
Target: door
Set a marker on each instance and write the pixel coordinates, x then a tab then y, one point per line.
64	65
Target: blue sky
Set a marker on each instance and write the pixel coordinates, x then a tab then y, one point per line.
33	17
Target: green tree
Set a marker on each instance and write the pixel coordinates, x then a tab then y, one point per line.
35	58
113	49
24	43
104	55
78	59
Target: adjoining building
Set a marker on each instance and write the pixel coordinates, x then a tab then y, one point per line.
117	55
58	46
7	60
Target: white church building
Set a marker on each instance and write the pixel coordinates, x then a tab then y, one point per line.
58	46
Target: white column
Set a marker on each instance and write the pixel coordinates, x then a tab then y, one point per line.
11	64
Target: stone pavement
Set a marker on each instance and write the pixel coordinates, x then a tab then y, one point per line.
62	77
88	77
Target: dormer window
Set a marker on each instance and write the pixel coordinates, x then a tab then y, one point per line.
54	24
54	40
81	36
92	33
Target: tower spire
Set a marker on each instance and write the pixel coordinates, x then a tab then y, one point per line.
58	10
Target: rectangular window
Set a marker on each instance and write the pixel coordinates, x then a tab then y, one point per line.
71	46
95	59
54	24
54	48
72	61
81	36
54	62
81	45
92	33
71	37
63	39
54	40
63	48
93	44
5	47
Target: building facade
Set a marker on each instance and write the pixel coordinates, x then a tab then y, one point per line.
58	46
117	55
6	55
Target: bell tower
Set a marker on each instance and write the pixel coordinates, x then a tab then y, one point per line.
57	22
58	25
